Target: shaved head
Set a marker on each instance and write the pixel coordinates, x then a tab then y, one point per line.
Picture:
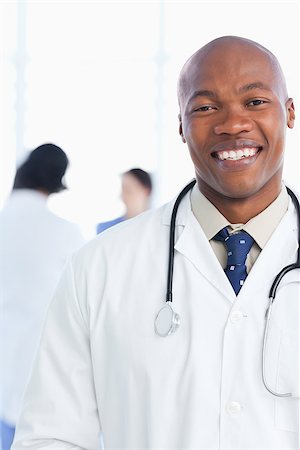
233	99
228	45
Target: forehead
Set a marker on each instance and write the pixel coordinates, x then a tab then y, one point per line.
129	180
227	68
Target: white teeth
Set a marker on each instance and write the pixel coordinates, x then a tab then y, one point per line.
235	155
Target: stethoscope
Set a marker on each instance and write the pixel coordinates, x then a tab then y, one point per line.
167	320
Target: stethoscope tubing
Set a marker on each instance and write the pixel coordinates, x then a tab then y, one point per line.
169	295
272	295
266	330
290	267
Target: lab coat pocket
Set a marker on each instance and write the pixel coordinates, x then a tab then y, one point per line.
287	409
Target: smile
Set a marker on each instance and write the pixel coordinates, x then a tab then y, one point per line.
235	155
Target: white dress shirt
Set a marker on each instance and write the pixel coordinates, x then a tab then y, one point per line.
260	227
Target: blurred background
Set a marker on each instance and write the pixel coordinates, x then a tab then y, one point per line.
98	78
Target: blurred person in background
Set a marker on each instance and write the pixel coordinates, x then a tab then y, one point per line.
136	194
34	246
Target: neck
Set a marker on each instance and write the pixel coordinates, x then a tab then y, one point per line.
241	210
136	210
44	192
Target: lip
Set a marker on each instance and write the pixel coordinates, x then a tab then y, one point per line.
237	144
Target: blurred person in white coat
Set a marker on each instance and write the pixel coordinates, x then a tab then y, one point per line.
34	246
112	356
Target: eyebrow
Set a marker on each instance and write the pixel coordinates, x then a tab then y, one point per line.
243	89
202	93
256	85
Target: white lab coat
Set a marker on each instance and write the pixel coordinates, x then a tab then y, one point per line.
34	247
101	365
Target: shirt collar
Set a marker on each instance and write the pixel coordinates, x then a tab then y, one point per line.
259	227
25	194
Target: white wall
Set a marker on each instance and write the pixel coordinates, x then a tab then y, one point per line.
100	81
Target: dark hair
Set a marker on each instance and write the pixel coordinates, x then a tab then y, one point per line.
143	177
43	169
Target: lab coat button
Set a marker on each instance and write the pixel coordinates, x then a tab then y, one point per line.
233	408
236	316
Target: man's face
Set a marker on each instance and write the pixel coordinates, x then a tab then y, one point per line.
233	117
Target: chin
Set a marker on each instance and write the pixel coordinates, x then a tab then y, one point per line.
240	191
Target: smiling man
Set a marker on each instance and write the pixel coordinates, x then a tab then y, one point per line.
114	359
234	113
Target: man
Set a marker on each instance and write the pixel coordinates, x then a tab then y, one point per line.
101	366
34	247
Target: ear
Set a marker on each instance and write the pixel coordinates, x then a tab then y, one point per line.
180	129
290	113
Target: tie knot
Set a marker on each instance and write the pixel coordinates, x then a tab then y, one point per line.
237	244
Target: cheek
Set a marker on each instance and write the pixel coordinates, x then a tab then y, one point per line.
274	129
204	168
195	128
275	137
196	138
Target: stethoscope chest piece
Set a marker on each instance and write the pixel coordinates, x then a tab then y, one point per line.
167	321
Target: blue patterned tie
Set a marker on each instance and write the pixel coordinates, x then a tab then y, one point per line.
238	246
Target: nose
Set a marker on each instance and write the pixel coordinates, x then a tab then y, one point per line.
233	122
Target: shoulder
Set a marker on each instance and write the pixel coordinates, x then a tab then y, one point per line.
124	237
59	231
102	226
139	239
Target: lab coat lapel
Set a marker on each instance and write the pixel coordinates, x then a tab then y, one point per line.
194	245
279	251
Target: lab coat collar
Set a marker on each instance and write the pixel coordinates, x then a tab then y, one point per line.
182	213
191	242
21	195
279	251
194	245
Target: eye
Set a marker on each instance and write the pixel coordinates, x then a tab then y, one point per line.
205	108
256	102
